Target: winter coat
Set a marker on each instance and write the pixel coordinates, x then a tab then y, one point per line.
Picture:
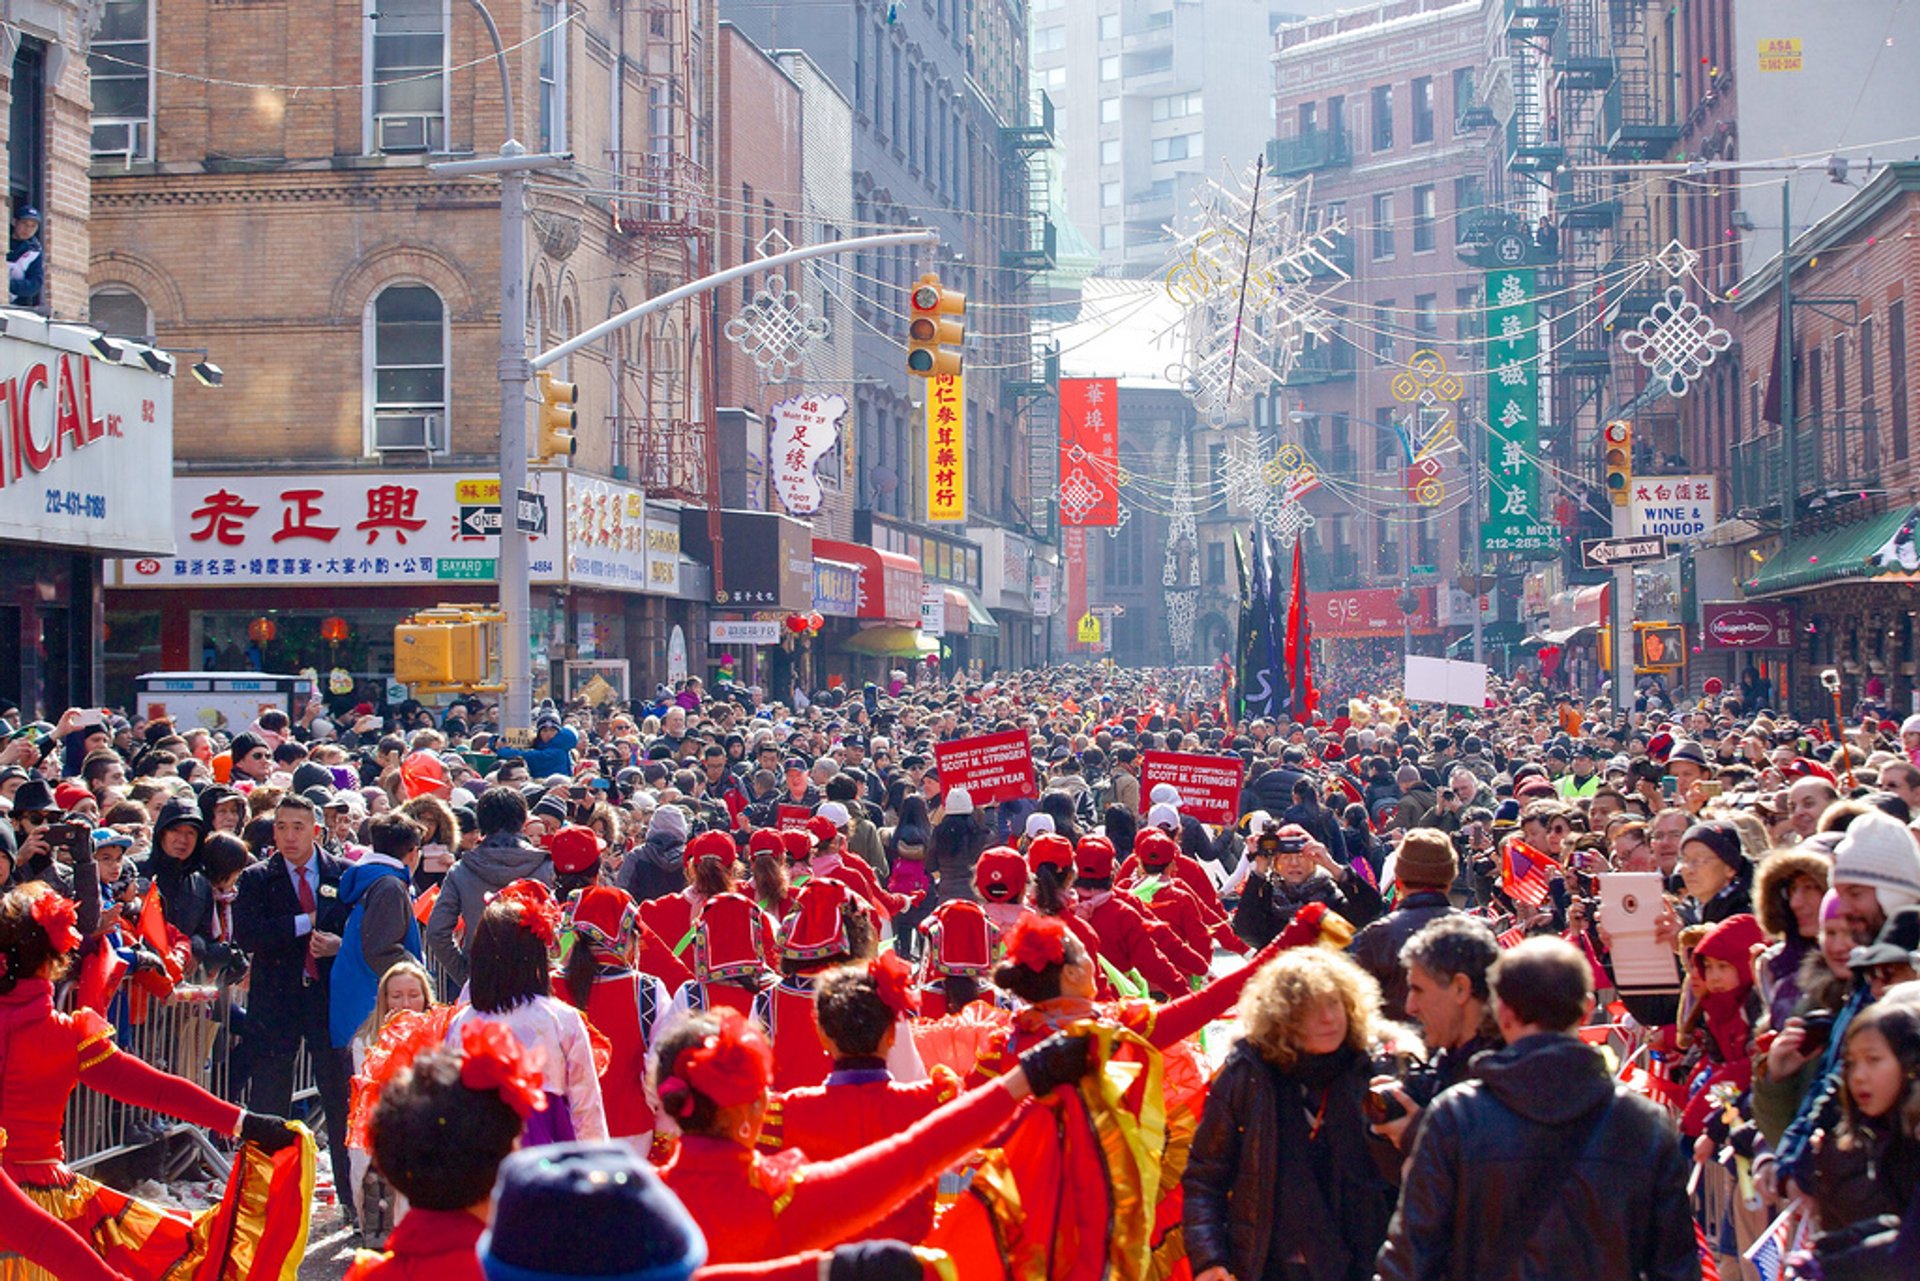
655	867
1252	1197
956	845
1487	1148
381	932
1268	903
1377	947
494	863
553	757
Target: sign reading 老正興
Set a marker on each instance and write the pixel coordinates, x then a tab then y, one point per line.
1679	508
87	439
1209	786
992	767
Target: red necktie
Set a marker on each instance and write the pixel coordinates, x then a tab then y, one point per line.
308	906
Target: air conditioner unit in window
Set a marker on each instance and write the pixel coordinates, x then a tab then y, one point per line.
403	134
397	432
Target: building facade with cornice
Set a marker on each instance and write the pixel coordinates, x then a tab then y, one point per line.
262	189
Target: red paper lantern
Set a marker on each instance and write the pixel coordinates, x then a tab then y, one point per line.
333	629
262	630
797	624
816	621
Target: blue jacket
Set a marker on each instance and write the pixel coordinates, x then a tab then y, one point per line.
383	891
556	757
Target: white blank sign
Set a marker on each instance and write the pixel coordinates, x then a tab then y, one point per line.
1438	680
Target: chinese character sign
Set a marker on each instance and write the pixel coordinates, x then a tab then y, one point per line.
1514	520
1089	452
1679	507
947	447
804	429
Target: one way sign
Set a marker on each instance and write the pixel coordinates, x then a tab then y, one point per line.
1611	553
530	511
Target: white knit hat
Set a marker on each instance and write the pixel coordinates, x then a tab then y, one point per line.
1911	725
1165	816
1164	794
1878	850
1038	824
959	801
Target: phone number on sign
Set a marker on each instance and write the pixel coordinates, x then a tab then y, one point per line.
71	502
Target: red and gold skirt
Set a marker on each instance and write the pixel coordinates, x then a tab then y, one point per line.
258	1232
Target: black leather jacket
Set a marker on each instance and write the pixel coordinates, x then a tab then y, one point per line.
1487	1156
1377	947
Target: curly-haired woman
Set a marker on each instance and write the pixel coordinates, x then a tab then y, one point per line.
1280	1183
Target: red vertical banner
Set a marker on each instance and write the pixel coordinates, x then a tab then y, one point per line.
1089	452
1074	550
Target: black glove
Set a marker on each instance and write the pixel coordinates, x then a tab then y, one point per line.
146	962
1058	1060
268	1133
876	1261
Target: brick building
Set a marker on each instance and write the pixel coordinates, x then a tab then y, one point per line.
276	208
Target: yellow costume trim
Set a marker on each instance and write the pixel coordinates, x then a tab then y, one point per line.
87	1064
785	1199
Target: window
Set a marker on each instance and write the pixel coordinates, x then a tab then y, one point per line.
1839	373
1867	380
1178	147
1110	111
1423	109
1175	105
553	79
1110	152
122	82
1109	195
1466	318
409	77
1109	26
1897	365
1426	213
1386	441
1308	117
1049	40
1383	332
1151	62
1111	236
409	360
1383	225
1110	67
1159	189
1054	78
120	313
746	240
1216	564
1462	95
1426	315
1383	117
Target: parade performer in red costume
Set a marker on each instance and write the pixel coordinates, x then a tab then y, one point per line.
712	1077
43	1241
730	942
830	858
1000	879
956	952
708	860
626	1006
1196	915
260	1227
1050	858
859	1009
830	927
1130	938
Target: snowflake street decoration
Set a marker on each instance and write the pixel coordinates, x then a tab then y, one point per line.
1181	573
1286	522
1264	484
1254	274
1676	259
1676	341
775	330
1078	495
1121	515
1180	611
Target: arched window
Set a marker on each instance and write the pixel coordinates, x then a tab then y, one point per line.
119	312
407	360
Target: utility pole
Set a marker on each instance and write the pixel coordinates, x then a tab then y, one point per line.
512	164
1784	355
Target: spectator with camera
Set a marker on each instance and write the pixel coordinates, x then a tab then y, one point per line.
1446	963
1288	869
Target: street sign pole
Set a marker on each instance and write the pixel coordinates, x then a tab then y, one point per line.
1623	616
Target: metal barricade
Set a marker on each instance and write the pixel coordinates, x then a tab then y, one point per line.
187	1035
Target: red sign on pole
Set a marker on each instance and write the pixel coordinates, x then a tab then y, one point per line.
992	767
1089	451
1209	786
790	818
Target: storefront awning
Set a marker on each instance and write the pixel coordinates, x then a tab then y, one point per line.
1561	635
836	588
1829	556
890	640
981	621
890	584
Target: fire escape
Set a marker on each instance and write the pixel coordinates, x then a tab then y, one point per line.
662	223
1032	251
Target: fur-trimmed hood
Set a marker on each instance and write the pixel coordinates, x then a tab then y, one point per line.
1775	880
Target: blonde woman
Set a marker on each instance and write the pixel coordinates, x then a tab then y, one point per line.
1279	1182
441	845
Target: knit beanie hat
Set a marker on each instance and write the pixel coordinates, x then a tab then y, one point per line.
1878	850
1723	839
1426	859
622	1224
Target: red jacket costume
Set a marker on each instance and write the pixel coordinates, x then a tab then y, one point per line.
861	1104
671	916
427	1245
752	1206
626	1016
1128	941
798	1057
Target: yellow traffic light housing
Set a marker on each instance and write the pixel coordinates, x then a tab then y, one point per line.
1662	646
1618	444
936	322
450	648
557	419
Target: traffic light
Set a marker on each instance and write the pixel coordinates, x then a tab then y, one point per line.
448	647
1662	645
938	321
1619	447
557	419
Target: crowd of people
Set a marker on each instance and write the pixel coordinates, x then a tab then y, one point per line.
736	989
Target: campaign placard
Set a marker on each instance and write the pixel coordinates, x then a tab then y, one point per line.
1209	786
791	818
992	767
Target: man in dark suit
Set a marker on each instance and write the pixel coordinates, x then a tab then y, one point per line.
288	916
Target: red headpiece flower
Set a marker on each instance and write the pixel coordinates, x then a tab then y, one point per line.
733	1065
495	1061
55	914
894	978
539	913
1038	941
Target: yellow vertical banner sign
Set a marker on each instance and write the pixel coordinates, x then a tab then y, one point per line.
947	447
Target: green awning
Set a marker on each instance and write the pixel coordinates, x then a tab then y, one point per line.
1829	556
979	620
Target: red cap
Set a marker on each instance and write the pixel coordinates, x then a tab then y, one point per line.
817	929
709	845
1801	767
421	774
575	849
798	842
1155	847
821	830
69	795
1093	858
727	942
605	917
1050	848
1000	874
1659	746
766	840
960	938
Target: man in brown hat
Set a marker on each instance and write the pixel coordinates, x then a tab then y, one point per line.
1424	868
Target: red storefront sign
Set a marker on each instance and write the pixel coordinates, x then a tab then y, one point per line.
1370	612
1748	625
1089	451
992	767
1209	786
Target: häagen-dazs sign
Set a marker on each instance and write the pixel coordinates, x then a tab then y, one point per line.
1748	625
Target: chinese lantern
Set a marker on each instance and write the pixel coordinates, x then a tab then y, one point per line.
797	624
815	621
262	630
333	629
